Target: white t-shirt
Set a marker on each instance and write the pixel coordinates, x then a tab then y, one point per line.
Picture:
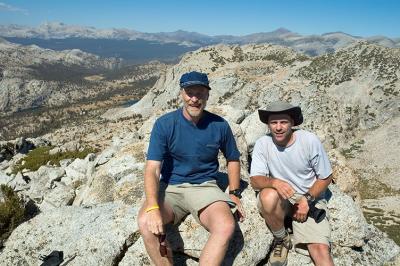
299	164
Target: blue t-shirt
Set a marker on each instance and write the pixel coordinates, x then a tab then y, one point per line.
189	152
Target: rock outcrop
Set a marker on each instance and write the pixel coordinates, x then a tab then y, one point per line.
86	235
100	228
18	147
243	79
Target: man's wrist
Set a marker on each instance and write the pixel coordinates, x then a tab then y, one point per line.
273	183
236	192
310	198
152	208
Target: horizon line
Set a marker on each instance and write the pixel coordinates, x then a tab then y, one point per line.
188	31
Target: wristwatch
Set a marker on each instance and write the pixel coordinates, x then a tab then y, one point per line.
309	197
236	192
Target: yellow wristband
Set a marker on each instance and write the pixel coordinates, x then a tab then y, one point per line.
155	207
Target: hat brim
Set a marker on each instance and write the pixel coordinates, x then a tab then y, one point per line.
294	113
194	83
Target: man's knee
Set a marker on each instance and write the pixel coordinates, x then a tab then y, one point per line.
224	230
219	221
319	249
227	227
269	199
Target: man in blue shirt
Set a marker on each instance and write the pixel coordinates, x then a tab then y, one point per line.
180	175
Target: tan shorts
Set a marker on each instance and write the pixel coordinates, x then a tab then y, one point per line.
191	198
309	231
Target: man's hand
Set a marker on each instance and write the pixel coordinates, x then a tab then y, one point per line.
283	188
240	210
301	209
154	222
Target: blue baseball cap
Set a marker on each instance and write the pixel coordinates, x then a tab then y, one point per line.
194	78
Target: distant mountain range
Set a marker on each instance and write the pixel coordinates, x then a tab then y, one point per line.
138	46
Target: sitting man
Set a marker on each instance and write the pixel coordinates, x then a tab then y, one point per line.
291	171
183	150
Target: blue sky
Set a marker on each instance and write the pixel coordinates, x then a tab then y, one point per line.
234	17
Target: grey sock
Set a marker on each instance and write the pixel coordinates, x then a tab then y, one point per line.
281	233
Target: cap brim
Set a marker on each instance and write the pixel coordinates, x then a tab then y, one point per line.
194	83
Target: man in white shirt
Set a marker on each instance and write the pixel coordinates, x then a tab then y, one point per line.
291	171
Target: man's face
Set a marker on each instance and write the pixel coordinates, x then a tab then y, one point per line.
195	100
280	126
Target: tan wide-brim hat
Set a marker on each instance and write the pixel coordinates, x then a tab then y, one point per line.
281	108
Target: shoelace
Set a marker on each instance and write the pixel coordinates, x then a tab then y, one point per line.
278	247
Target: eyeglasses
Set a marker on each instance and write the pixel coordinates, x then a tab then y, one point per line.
200	93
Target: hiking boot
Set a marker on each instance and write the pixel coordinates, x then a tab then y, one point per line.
280	250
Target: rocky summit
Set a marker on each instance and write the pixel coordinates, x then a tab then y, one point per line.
88	205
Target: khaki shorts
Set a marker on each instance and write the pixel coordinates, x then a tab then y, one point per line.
191	198
309	231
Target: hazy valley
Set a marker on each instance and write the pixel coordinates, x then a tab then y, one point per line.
43	89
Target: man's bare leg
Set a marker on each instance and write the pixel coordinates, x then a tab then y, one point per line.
273	209
320	254
150	240
217	218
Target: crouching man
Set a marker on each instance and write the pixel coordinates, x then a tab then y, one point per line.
291	171
183	150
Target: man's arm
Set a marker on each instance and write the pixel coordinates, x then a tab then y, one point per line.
151	181
234	183
234	174
151	187
321	166
319	186
284	189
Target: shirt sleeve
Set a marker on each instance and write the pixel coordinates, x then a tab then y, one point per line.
229	147
320	161
259	165
158	145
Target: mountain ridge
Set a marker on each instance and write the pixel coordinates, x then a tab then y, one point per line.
60	30
13	30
